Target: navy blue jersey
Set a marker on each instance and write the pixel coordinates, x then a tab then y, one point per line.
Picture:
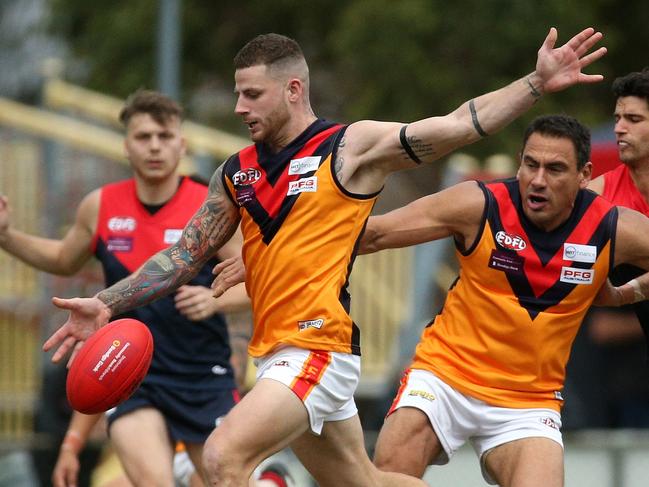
189	354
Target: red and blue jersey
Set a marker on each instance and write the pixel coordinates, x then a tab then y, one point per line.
190	354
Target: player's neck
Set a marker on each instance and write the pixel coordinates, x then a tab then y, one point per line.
640	175
295	126
156	192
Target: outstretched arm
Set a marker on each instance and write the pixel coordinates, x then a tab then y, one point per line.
371	150
63	257
455	212
211	226
631	247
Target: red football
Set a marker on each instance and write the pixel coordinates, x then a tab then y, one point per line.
110	366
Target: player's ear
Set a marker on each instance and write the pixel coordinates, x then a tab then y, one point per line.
585	175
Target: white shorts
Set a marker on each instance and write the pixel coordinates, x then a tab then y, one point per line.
324	381
456	418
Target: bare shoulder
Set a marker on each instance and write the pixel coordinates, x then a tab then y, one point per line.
367	153
216	181
631	244
597	185
88	210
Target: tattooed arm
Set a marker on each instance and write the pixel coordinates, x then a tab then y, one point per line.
371	150
211	226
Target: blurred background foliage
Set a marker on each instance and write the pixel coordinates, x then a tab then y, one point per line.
378	59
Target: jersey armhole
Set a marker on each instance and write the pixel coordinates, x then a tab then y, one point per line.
613	218
224	181
95	233
483	221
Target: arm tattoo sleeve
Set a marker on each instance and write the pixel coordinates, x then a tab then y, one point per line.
474	118
210	227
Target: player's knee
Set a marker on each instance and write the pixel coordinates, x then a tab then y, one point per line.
221	463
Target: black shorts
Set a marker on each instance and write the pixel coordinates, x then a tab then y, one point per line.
191	415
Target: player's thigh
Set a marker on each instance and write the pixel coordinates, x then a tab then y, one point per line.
528	462
337	456
268	418
142	443
407	443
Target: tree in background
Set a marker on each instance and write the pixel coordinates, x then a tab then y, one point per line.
376	59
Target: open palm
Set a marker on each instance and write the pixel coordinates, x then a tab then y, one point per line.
562	67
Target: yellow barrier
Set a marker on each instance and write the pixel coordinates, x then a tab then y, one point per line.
20	292
58	94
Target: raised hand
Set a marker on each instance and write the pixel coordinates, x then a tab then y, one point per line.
228	273
561	67
87	315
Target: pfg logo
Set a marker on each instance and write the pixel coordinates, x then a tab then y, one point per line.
306	185
121	224
509	241
574	275
246	176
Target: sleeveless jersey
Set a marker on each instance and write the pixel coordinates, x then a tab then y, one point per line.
505	331
620	190
186	354
301	230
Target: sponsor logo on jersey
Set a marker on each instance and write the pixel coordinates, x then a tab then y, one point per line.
119	244
423	394
219	370
579	253
305	185
172	235
550	422
122	224
281	363
573	275
245	195
246	176
303	325
506	261
558	395
304	165
510	241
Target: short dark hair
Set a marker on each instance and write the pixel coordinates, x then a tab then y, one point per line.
633	84
268	49
563	126
160	107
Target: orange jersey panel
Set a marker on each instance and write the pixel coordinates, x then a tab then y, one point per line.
507	326
300	230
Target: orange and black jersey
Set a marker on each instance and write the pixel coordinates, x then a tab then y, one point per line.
505	331
301	230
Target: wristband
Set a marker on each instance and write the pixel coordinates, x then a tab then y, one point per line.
72	442
638	295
